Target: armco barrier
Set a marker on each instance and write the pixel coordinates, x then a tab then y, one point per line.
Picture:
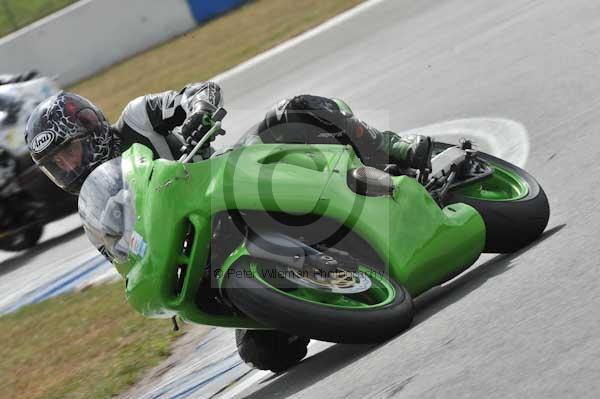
91	35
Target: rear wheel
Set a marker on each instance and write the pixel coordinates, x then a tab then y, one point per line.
511	202
379	311
23	239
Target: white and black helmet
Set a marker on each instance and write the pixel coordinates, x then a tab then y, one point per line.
68	137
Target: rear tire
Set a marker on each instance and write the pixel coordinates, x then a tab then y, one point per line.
274	309
22	240
511	224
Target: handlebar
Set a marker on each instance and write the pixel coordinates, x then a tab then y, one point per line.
216	118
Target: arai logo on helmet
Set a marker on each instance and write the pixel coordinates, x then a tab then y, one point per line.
42	141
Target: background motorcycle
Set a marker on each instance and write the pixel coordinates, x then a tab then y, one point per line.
28	199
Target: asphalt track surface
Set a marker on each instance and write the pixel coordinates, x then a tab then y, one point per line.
518	325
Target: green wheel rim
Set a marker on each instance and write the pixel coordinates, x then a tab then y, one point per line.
381	292
503	185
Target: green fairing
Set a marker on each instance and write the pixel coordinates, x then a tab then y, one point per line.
422	244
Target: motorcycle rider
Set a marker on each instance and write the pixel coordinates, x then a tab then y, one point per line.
68	137
17	78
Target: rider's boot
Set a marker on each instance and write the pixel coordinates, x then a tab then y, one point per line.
412	151
270	350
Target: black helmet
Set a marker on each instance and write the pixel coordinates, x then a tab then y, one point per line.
68	137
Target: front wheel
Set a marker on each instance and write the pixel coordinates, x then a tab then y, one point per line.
511	202
270	350
263	293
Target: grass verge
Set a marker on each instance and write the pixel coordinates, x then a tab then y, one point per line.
80	345
15	14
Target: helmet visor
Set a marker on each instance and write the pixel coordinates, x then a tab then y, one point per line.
68	163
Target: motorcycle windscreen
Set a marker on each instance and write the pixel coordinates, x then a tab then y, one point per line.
107	210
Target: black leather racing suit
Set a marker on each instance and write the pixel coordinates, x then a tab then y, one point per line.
150	119
320	120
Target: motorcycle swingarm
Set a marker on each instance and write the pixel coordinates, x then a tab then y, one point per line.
293	253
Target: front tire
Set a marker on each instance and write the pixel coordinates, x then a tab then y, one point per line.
338	318
270	350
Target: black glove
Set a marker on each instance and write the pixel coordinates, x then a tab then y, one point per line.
196	126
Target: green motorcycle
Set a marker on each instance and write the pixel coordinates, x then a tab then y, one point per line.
300	237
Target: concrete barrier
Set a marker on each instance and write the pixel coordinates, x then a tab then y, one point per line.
91	35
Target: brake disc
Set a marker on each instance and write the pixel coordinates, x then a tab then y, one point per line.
339	281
